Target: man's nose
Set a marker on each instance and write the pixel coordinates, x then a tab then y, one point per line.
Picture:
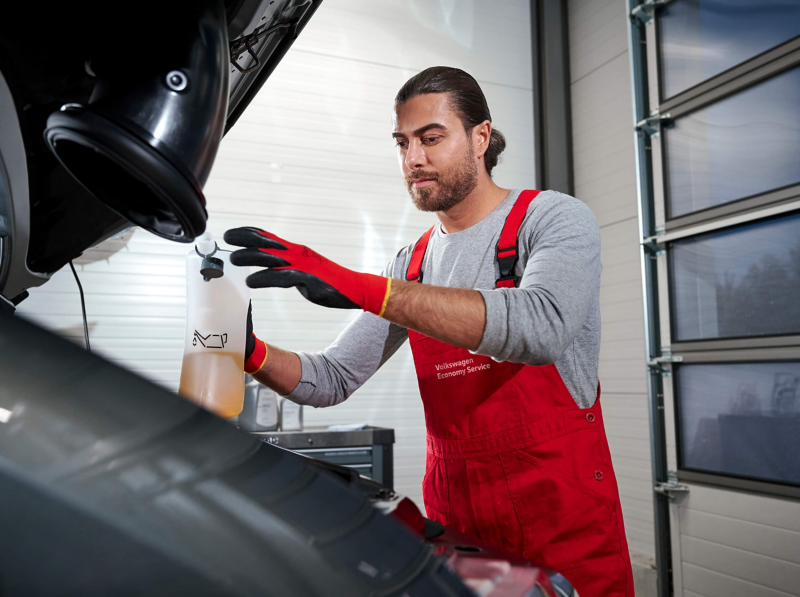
415	156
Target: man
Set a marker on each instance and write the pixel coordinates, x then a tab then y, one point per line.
500	301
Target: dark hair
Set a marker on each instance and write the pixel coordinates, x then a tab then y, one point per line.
467	100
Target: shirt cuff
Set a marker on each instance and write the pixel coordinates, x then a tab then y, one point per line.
495	331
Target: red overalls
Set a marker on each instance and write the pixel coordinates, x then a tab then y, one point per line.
512	459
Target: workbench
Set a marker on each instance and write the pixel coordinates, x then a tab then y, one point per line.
369	451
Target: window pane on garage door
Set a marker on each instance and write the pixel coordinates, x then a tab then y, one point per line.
741	146
702	38
738	282
740	419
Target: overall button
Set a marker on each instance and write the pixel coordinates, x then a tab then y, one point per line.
598	475
590	417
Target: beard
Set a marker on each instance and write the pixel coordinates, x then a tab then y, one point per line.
449	189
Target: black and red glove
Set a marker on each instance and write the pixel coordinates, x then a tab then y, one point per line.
255	350
318	279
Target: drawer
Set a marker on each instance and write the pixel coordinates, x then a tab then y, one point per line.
356	455
361	469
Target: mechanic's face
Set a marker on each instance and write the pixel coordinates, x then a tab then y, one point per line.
437	156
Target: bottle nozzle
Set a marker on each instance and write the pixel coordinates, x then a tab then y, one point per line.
205	244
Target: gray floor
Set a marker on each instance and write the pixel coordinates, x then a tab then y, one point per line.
644	576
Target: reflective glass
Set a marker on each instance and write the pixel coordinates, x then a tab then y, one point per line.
744	145
738	282
702	38
741	419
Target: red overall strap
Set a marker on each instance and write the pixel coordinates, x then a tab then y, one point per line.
414	273
507	244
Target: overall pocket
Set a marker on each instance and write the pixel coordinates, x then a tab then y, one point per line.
565	496
565	523
435	490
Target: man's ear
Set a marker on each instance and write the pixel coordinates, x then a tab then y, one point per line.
481	135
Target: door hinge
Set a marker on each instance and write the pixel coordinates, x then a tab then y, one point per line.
652	246
656	365
652	124
668	488
645	11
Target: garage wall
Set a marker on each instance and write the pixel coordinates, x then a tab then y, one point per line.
312	160
725	542
605	179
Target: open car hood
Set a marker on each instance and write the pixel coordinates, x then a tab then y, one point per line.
108	122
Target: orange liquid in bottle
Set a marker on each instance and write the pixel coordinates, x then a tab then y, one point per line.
215	381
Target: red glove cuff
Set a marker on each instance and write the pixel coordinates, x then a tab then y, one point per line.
376	293
256	361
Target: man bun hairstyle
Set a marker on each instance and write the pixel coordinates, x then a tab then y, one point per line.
466	97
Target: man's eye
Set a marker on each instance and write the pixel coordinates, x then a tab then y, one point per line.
430	140
400	144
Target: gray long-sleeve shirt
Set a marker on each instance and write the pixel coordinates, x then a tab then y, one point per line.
552	317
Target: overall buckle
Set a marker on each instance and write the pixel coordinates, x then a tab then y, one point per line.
507	264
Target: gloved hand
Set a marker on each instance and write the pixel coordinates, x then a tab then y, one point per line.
255	350
318	279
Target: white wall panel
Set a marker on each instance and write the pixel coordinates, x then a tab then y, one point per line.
605	179
312	159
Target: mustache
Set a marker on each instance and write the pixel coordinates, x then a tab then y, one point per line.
417	175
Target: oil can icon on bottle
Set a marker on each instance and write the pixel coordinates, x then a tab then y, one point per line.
212	374
210	341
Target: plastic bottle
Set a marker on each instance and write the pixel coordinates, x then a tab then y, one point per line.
260	412
217	297
291	416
